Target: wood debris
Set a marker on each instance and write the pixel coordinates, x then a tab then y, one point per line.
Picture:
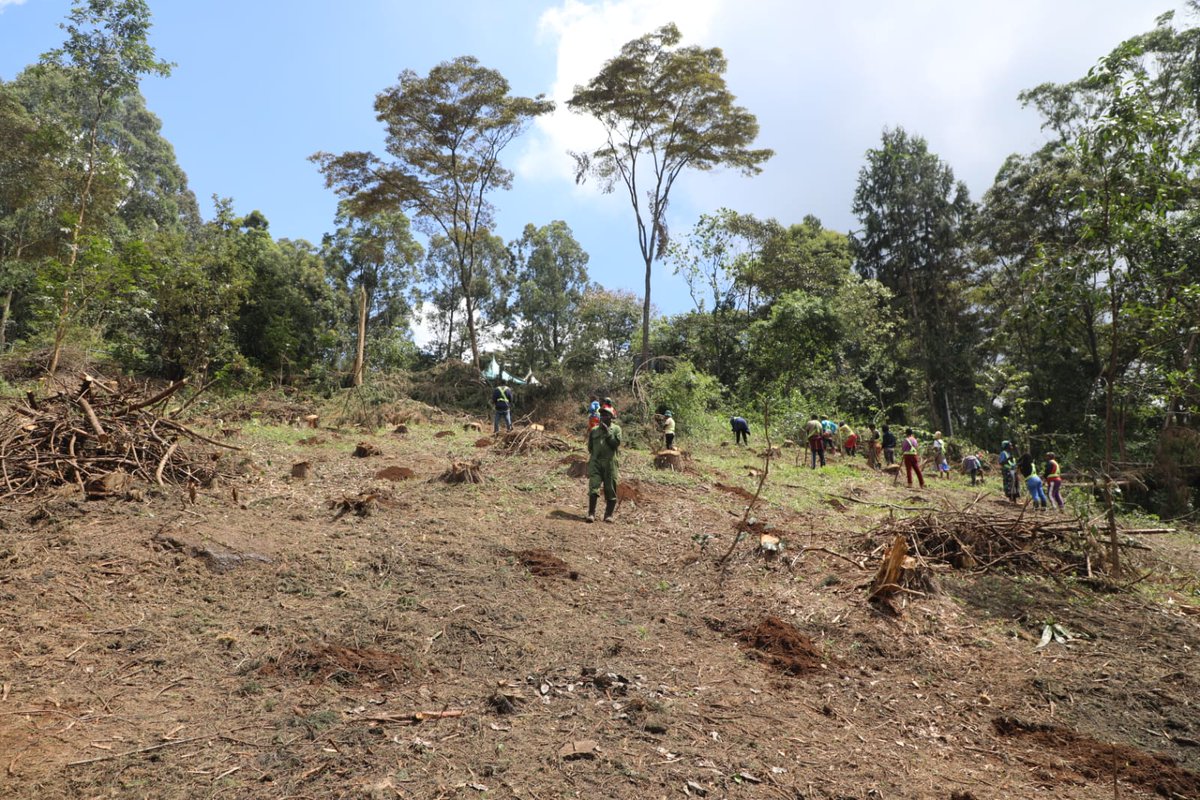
100	437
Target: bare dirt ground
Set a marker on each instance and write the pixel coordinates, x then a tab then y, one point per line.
347	635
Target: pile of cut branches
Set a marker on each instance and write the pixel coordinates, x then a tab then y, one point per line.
92	434
969	539
531	438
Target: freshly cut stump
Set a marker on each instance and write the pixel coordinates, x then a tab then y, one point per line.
366	449
782	646
463	472
545	564
302	470
669	459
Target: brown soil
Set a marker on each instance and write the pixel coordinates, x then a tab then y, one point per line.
545	564
395	474
1094	760
630	491
484	442
258	641
782	646
340	664
737	490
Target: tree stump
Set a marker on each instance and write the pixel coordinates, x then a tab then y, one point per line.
302	470
669	459
473	426
311	420
366	449
463	472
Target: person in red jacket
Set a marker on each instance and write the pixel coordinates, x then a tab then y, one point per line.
910	449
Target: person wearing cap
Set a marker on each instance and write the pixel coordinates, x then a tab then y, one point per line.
668	429
502	401
603	442
1008	469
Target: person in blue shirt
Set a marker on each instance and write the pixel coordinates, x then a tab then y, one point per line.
889	446
741	430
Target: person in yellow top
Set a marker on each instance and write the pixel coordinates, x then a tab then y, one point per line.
1054	480
849	439
668	429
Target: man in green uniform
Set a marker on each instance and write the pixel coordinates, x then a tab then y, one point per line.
603	442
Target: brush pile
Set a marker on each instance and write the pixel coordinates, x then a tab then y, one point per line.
972	540
532	438
100	437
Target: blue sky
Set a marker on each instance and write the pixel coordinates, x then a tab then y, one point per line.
262	84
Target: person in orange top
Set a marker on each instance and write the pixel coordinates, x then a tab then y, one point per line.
1053	474
910	448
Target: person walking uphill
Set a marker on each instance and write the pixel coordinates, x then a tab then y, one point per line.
502	401
816	440
910	448
603	442
741	430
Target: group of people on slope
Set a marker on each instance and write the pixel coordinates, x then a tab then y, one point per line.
1013	468
604	443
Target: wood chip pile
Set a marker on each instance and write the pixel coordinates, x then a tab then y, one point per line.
98	437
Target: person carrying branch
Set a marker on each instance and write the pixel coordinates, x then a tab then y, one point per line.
603	442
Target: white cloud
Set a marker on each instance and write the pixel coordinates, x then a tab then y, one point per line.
587	35
6	3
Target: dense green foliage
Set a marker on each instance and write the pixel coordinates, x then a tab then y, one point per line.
1061	310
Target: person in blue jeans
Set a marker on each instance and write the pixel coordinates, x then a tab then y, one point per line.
1033	481
502	401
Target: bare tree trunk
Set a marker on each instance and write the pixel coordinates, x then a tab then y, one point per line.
471	332
360	351
4	319
64	311
646	317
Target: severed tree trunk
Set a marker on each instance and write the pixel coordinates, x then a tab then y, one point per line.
361	349
8	296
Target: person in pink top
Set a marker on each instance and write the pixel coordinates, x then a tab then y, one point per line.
910	449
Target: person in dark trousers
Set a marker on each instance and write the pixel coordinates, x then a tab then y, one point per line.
668	429
603	442
741	430
502	401
889	446
815	431
1008	469
1053	480
973	466
873	447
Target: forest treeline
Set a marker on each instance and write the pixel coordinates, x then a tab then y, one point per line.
1061	308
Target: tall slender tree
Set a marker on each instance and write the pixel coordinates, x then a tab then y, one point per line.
105	56
664	109
445	134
